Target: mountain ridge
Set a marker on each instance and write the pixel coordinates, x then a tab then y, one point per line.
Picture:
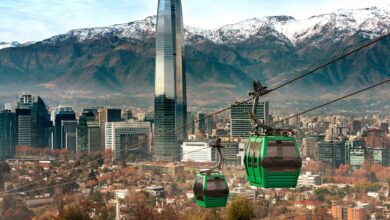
222	61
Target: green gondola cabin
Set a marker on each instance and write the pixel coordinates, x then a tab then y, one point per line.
211	190
272	161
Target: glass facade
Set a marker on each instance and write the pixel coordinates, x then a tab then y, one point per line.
170	87
42	127
8	137
88	133
331	153
240	122
63	114
33	122
355	153
121	138
107	115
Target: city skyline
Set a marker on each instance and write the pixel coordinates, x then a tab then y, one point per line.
131	146
32	20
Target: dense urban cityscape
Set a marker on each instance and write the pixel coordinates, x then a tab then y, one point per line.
345	166
187	156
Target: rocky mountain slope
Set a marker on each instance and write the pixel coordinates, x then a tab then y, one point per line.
220	63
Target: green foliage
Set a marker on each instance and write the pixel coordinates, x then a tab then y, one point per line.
283	210
239	209
100	159
92	175
1	183
94	165
321	191
75	213
4	168
369	187
105	216
14	209
327	179
205	214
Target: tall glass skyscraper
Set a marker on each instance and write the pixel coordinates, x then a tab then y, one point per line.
170	106
33	122
62	114
8	136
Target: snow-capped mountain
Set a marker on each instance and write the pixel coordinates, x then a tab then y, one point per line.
371	22
132	30
220	63
9	44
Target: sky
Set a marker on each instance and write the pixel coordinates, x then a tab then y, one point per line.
34	20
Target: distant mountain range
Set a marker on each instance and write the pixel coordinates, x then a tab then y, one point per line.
220	63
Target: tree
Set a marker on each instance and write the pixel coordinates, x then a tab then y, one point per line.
11	214
4	168
99	158
239	209
321	213
140	206
108	154
167	213
15	209
47	215
75	213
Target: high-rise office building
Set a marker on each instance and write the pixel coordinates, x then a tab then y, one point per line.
375	138
129	114
24	127
91	112
379	156
331	153
24	120
294	122
384	127
210	125
9	106
68	135
350	212
170	106
93	137
25	100
309	144
191	118
128	140
335	131
196	151
356	126
62	114
33	122
107	115
88	132
42	126
8	137
240	123
355	153
201	123
229	153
